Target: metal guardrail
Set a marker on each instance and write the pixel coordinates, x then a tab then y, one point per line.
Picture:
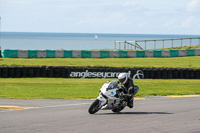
135	44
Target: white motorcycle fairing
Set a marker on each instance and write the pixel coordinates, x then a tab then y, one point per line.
107	95
111	97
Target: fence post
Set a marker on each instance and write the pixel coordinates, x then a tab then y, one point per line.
181	42
154	44
119	45
172	42
124	44
199	41
135	45
163	44
145	44
190	42
115	45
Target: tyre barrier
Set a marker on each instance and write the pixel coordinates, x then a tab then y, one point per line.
97	72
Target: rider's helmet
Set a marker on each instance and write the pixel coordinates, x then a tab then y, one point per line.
123	77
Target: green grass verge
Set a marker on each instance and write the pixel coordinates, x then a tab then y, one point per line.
59	88
175	62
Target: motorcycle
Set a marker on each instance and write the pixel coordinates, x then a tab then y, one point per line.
111	97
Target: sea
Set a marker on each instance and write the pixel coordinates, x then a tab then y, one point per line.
86	41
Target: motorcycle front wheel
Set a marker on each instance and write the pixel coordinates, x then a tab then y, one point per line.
94	107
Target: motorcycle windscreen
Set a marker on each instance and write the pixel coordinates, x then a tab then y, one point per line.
113	84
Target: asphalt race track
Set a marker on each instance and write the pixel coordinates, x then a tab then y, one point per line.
150	115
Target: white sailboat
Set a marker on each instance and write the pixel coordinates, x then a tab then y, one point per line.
95	37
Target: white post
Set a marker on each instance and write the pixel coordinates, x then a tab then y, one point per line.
181	42
0	32
163	44
135	45
124	44
199	41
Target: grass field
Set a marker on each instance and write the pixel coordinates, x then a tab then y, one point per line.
59	88
175	62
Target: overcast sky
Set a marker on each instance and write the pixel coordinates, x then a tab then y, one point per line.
101	16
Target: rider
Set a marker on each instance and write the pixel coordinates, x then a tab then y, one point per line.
128	86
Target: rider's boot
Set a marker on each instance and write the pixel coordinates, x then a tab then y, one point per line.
130	103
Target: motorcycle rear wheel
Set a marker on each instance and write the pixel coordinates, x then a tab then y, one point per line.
94	107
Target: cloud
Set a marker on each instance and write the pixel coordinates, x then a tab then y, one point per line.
188	22
129	3
16	1
173	23
185	22
134	16
102	20
143	24
193	6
